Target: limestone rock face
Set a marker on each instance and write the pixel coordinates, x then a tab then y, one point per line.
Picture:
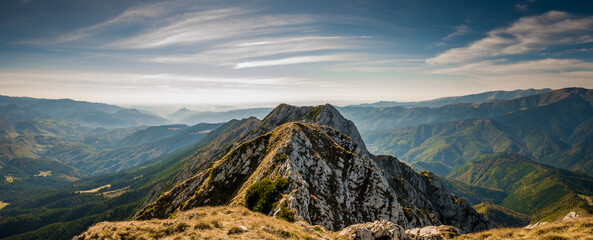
326	115
426	192
335	181
380	229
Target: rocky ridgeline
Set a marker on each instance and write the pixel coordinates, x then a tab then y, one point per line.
335	181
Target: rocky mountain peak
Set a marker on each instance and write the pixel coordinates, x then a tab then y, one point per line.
326	115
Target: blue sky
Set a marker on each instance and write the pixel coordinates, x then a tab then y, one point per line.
252	53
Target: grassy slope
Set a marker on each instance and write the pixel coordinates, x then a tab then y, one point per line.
209	223
579	228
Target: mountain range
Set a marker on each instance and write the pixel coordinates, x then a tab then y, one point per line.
187	116
472	98
537	126
498	159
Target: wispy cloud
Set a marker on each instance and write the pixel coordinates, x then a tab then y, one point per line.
501	67
521	7
233	52
199	26
459	30
525	35
229	37
293	60
130	16
376	66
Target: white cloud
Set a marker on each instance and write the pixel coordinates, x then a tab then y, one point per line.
233	52
292	60
525	35
500	67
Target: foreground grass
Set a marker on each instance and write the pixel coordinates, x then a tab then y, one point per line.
579	228
209	223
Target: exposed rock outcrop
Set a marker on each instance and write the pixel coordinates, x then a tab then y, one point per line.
433	232
326	115
426	192
537	224
380	229
571	215
335	181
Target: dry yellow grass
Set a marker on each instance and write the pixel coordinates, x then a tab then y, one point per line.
43	173
94	190
579	228
3	204
115	193
209	223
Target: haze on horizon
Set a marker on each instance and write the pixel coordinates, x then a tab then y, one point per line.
300	52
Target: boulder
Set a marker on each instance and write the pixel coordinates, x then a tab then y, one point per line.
433	232
571	215
381	229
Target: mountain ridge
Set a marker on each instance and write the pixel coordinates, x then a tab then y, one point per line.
319	158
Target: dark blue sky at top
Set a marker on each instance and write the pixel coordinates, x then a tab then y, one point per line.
385	45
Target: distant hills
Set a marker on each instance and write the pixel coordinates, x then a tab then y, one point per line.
445	137
187	116
444	146
133	150
79	112
472	98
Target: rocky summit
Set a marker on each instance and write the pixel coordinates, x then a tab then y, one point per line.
333	181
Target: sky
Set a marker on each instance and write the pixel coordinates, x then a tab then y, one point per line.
261	53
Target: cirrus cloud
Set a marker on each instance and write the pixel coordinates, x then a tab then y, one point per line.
525	35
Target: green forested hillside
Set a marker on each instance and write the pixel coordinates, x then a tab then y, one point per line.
502	216
442	147
21	178
579	158
534	189
65	213
535	126
133	150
